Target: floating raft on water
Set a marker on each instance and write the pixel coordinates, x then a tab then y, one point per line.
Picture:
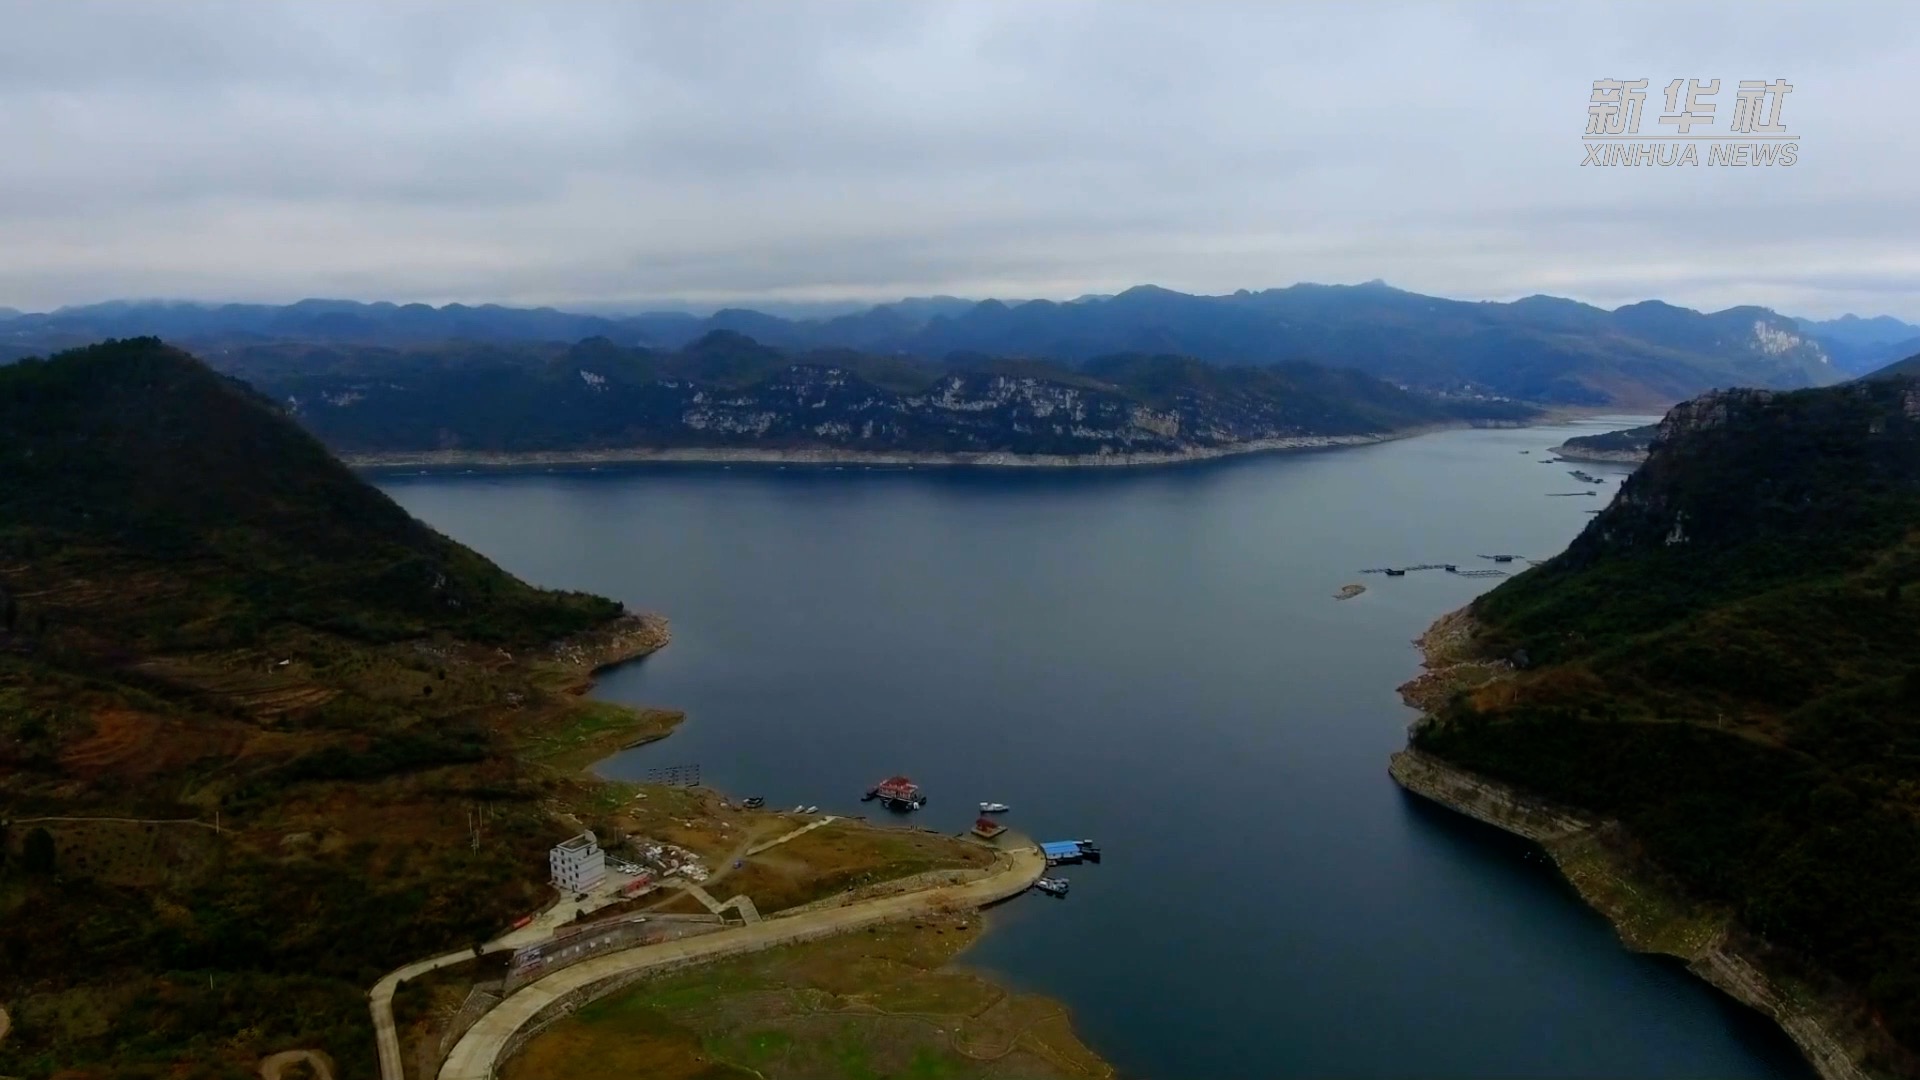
897	793
1070	851
1481	573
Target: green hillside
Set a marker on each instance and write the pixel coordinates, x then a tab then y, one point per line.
135	456
260	731
1727	660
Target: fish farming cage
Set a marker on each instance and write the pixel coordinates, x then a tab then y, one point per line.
674	775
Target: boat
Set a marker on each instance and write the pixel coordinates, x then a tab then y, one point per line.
753	802
994	808
1396	573
1052	886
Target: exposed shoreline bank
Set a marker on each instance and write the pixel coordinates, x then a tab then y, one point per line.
1594	855
434	460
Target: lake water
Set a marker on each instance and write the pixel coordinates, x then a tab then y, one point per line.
1152	659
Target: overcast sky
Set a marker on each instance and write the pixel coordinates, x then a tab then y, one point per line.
573	154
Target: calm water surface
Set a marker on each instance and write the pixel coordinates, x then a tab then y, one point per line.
1152	659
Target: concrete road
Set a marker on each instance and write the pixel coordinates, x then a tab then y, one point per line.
476	1054
380	998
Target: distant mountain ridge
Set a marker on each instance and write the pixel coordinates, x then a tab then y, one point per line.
728	392
1540	348
1860	345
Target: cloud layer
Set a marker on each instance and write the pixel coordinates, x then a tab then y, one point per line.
577	154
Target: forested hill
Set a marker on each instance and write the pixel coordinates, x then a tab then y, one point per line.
250	711
727	391
1727	660
134	456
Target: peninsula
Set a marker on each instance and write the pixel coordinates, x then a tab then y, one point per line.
1703	711
268	743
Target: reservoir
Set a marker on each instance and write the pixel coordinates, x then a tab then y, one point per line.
1152	659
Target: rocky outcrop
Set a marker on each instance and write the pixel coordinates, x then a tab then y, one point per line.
1648	917
1627	447
629	637
1484	800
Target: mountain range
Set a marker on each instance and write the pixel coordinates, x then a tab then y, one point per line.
728	392
1543	349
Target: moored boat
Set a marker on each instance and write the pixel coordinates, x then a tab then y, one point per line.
994	808
1052	886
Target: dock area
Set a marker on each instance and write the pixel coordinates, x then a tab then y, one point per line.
1070	851
987	829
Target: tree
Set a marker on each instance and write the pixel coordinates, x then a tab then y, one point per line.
37	852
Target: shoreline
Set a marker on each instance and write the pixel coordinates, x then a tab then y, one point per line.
584	657
490	460
1647	915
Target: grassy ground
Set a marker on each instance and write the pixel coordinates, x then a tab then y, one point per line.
887	1003
843	856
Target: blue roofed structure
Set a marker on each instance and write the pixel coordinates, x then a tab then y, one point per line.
1061	849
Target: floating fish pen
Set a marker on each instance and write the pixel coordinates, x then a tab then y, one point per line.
1482	573
1429	566
1500	558
1569	494
1070	851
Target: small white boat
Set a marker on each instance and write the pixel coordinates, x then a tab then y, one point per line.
993	808
1053	886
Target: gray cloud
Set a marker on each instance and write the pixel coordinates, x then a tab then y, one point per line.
578	153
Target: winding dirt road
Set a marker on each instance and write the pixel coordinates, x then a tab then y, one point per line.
477	1053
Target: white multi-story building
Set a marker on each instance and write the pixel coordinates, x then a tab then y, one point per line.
577	864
